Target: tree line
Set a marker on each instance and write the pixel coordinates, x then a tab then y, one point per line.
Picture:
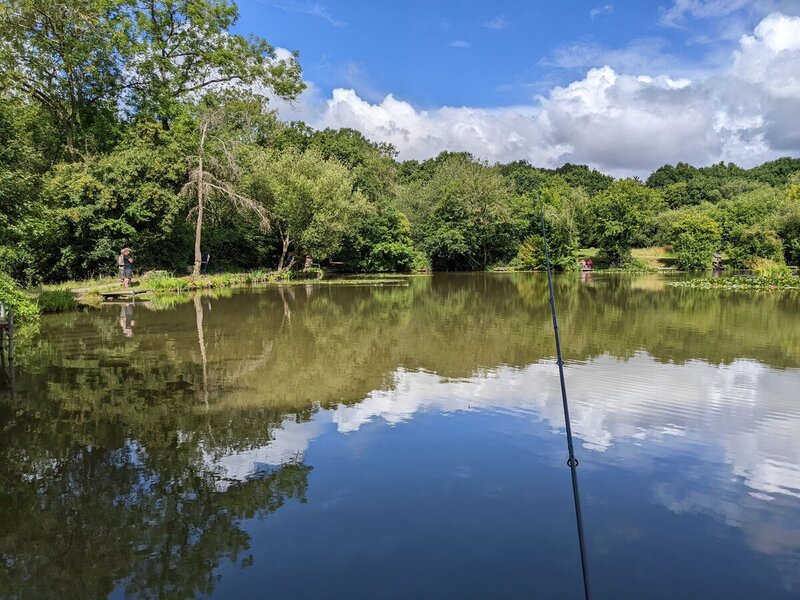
145	123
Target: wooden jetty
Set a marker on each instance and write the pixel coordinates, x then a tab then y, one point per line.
7	331
126	294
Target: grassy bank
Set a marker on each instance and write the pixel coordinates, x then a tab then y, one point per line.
69	295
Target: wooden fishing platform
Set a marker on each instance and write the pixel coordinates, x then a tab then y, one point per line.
128	294
7	331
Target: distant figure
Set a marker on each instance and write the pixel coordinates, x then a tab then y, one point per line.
589	264
717	262
582	264
127	267
205	258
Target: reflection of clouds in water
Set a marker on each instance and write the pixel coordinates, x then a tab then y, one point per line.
729	426
744	408
289	443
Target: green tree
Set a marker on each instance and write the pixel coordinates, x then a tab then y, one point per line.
310	200
668	175
181	47
623	213
125	197
695	237
64	56
560	208
465	217
788	223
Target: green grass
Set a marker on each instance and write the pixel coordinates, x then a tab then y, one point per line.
57	300
645	260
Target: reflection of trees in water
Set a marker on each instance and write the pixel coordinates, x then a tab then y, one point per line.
109	472
84	518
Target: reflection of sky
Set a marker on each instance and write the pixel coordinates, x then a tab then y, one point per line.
740	422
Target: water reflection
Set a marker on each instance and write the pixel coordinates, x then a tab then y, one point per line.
161	446
126	321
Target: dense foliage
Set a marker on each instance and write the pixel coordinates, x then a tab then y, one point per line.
125	123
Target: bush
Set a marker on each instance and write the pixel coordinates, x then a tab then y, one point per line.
25	309
763	267
695	237
749	243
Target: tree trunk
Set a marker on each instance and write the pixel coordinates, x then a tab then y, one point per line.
198	231
70	138
285	249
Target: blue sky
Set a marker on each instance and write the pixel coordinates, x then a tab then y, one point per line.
494	57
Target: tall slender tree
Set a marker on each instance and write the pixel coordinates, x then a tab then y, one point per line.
224	124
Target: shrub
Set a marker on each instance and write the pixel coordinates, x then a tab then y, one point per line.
763	267
749	243
25	309
695	237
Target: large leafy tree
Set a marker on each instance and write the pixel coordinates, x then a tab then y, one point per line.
622	215
65	56
180	48
310	200
466	216
695	237
560	207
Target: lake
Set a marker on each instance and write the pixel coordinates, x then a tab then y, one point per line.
407	441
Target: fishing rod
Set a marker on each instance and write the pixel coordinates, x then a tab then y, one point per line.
571	461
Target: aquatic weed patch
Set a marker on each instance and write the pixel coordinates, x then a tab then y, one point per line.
740	283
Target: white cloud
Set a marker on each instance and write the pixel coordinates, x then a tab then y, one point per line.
597	11
640	55
701	9
625	120
459	44
496	23
310	8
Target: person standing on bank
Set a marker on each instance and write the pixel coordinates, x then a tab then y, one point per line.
205	258
127	267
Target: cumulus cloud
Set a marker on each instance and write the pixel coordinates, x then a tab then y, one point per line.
622	122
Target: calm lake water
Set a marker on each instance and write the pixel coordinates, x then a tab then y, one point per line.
407	442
